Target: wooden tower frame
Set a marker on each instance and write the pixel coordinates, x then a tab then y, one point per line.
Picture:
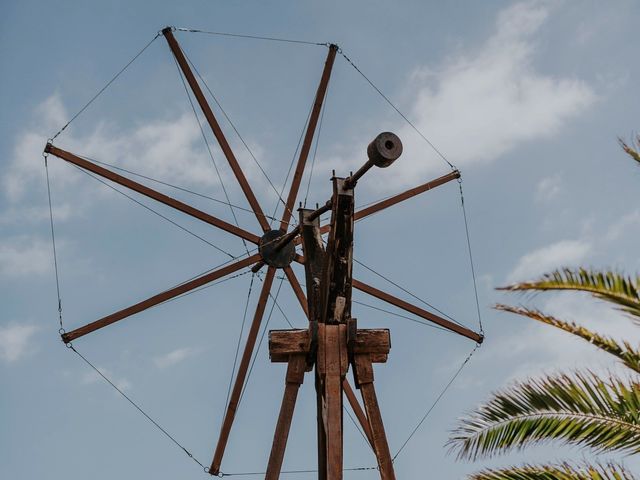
332	343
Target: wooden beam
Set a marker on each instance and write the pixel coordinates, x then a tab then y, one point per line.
432	317
383	204
151	193
308	138
297	289
159	298
215	127
357	409
364	372
234	398
295	377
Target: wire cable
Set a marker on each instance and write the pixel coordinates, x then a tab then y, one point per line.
145	414
106	86
392	105
156	212
53	242
407	292
435	402
206	142
240	137
235	359
471	263
252	37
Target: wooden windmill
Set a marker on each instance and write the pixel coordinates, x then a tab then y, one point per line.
332	344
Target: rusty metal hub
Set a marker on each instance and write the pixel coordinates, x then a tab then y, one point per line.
274	254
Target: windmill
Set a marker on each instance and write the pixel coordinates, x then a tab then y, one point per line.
332	344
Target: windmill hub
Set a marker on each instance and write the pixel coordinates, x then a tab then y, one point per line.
274	254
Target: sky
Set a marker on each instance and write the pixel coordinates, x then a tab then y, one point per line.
526	98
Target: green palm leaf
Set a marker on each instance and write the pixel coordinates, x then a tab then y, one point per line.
580	409
563	471
606	285
629	355
630	150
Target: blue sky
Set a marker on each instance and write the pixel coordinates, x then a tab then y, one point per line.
526	98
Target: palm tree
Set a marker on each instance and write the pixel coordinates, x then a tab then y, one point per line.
581	408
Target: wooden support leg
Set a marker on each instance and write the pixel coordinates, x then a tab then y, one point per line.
295	377
364	372
333	401
322	434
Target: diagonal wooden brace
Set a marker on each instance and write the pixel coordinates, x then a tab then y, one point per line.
364	372
295	377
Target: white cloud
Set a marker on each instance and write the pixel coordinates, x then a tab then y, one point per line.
22	215
23	256
174	357
548	188
480	105
560	254
15	341
622	225
93	377
170	149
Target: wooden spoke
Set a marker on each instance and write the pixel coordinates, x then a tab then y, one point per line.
234	399
308	138
297	289
401	197
432	317
215	127
151	193
159	298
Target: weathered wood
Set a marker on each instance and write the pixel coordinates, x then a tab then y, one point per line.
159	298
432	317
333	401
295	377
308	137
364	371
283	343
151	193
337	274
215	128
374	340
357	409
234	398
314	252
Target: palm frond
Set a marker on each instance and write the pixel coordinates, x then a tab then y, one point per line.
605	285
579	409
562	471
629	355
631	150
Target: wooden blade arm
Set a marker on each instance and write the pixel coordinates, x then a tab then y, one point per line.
432	317
159	298
241	376
308	137
401	197
215	127
151	193
297	289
